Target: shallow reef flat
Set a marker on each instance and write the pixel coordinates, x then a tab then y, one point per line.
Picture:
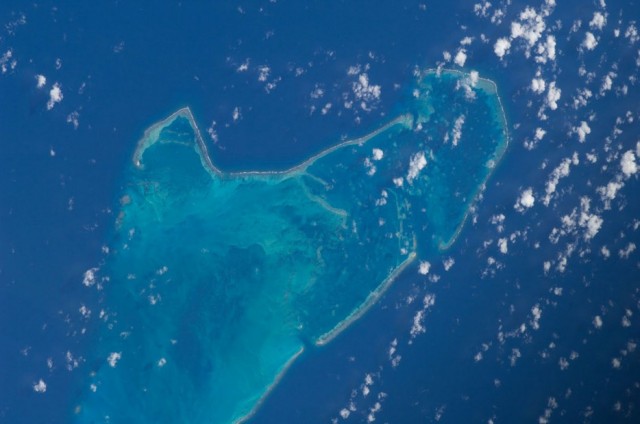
218	280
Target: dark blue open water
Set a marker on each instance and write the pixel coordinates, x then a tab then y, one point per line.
123	67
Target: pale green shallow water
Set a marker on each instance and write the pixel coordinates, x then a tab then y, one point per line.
217	280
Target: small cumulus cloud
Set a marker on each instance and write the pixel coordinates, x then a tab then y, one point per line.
589	41
582	131
538	85
40	386
41	81
377	154
561	171
553	95
113	358
598	21
461	58
501	47
503	245
628	164
416	164
89	278
525	201
55	96
365	92
424	267
597	321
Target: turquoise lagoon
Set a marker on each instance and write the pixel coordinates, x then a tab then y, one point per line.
215	281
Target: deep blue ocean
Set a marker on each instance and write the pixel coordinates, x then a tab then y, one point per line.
532	315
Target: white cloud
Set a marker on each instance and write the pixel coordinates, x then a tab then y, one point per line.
365	91
377	154
263	73
466	41
418	319
84	311
582	98
529	27
236	114
501	47
553	95
424	267
354	70
551	47
113	358
89	278
591	222
40	386
418	324
317	92
371	168
503	245
416	164
474	76
461	58
536	313
632	33
563	364
394	357
55	96
448	263
514	356
615	363
41	81
213	134
538	85
6	59
583	130
457	130
580	222
628	163
546	51
244	66
607	82
624	253
74	119
525	201
589	41
481	9
381	202
598	21
597	321
609	192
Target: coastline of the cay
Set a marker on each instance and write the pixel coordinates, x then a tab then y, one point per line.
371	300
492	87
373	297
487	85
151	134
407	120
330	335
268	389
